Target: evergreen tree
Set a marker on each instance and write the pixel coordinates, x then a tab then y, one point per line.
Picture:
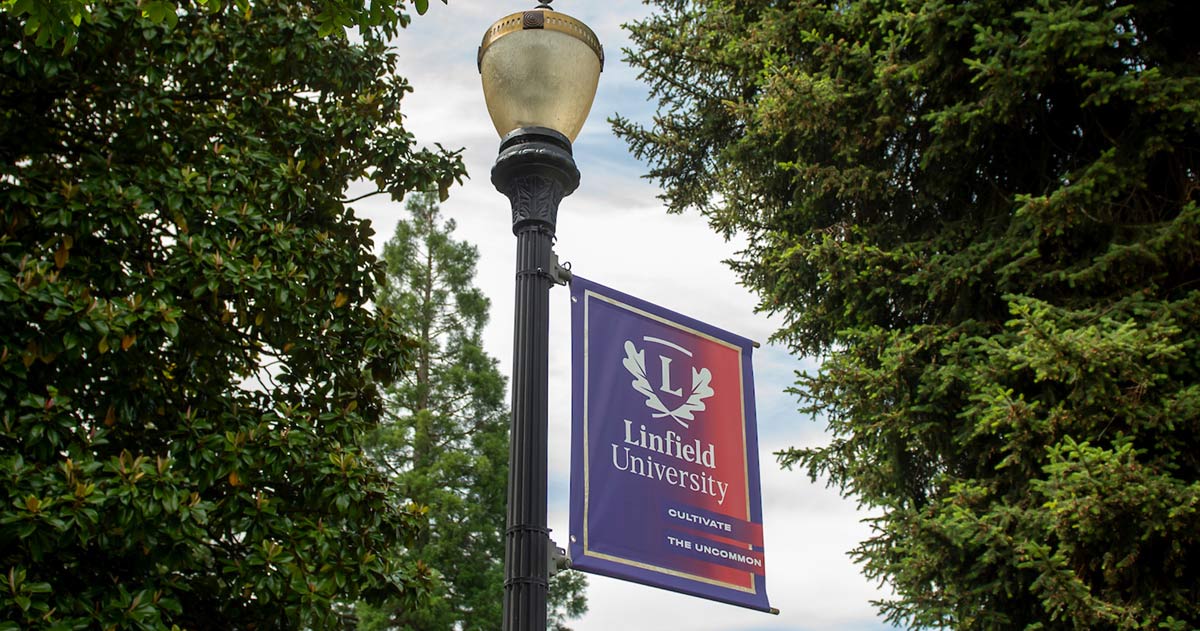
566	598
446	442
187	357
984	217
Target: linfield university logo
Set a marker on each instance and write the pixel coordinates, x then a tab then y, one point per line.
685	405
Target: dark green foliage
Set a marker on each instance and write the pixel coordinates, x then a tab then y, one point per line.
446	441
984	217
60	22
187	357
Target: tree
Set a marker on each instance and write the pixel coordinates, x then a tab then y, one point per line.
53	22
983	216
566	599
188	360
446	441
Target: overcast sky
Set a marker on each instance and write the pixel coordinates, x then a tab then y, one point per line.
613	230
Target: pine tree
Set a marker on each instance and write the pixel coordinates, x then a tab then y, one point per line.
446	444
985	218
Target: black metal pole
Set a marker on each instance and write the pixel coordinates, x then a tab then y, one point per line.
535	171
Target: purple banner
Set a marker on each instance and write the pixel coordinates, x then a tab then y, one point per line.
664	450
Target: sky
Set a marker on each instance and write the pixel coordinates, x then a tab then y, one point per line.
613	230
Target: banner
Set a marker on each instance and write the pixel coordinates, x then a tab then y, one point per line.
664	450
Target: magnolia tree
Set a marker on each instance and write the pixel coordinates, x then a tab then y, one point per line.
188	356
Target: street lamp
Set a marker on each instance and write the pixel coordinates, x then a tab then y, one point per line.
540	69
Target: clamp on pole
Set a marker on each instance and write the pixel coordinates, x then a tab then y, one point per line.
561	273
558	559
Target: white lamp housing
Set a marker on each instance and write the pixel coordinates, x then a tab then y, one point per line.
540	68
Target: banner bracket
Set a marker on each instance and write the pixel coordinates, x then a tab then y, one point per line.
558	559
561	273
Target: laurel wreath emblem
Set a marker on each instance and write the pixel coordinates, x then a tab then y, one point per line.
635	363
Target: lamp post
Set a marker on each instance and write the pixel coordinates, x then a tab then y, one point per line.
540	70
